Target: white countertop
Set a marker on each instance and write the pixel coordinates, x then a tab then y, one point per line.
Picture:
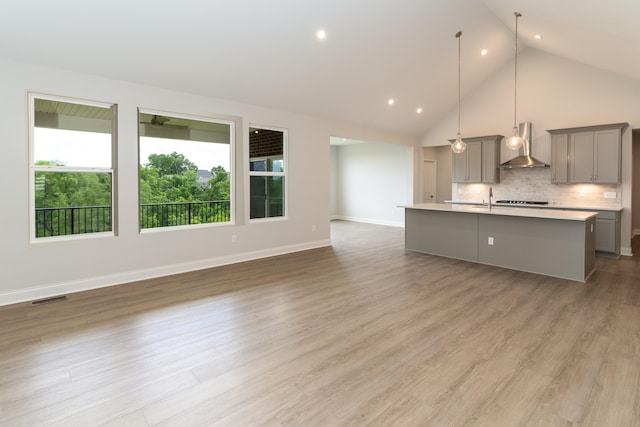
571	215
549	206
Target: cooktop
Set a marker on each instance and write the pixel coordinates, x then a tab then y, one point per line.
522	202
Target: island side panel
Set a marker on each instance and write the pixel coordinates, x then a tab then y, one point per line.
589	247
449	234
553	247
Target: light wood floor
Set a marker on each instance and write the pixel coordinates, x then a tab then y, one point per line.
363	333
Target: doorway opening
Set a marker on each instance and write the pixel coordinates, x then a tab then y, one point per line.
429	181
435	175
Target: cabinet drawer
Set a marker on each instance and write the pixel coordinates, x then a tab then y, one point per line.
606	215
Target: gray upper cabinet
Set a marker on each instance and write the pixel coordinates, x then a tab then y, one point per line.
592	154
559	159
479	162
607	155
491	160
467	166
581	157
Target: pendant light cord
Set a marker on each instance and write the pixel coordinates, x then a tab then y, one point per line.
458	34
515	77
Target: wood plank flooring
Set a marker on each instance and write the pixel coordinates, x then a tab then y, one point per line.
360	334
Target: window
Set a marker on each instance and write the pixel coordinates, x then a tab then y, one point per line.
267	172
185	170
72	152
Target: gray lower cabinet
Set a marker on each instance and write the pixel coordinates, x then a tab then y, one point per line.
608	232
593	154
555	247
479	162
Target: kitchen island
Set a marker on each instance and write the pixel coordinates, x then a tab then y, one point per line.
554	243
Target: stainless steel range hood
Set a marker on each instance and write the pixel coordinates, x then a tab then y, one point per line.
524	159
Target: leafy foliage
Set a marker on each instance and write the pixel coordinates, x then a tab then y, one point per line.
64	189
168	182
173	178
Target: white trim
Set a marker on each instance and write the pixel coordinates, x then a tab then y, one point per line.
232	122
136	275
284	173
626	251
31	100
368	221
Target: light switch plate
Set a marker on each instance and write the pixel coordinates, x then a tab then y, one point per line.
609	194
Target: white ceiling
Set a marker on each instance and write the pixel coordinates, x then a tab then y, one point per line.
265	52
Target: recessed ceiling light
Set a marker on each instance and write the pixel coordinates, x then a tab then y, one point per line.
321	34
391	101
538	36
419	110
483	52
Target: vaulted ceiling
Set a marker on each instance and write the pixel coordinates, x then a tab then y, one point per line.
266	52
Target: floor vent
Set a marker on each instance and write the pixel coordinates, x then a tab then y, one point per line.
49	300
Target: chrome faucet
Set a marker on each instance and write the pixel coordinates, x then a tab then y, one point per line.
490	196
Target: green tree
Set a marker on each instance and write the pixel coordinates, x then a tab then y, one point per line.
71	202
170	164
172	180
56	189
219	185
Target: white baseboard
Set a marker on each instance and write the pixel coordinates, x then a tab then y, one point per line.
369	221
65	288
626	251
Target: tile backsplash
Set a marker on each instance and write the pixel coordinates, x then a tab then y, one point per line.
535	184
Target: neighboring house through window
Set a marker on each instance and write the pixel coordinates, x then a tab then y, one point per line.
185	170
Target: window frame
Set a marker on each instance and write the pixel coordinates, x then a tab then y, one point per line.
284	173
226	120
33	169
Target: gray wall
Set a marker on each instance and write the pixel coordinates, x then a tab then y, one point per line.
443	156
372	179
37	270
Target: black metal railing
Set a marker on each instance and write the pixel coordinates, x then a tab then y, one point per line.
266	207
71	220
153	215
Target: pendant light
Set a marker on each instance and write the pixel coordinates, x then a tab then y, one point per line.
458	145
514	142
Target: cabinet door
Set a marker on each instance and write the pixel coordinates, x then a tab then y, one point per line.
559	161
606	146
459	173
605	235
474	161
581	157
490	153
